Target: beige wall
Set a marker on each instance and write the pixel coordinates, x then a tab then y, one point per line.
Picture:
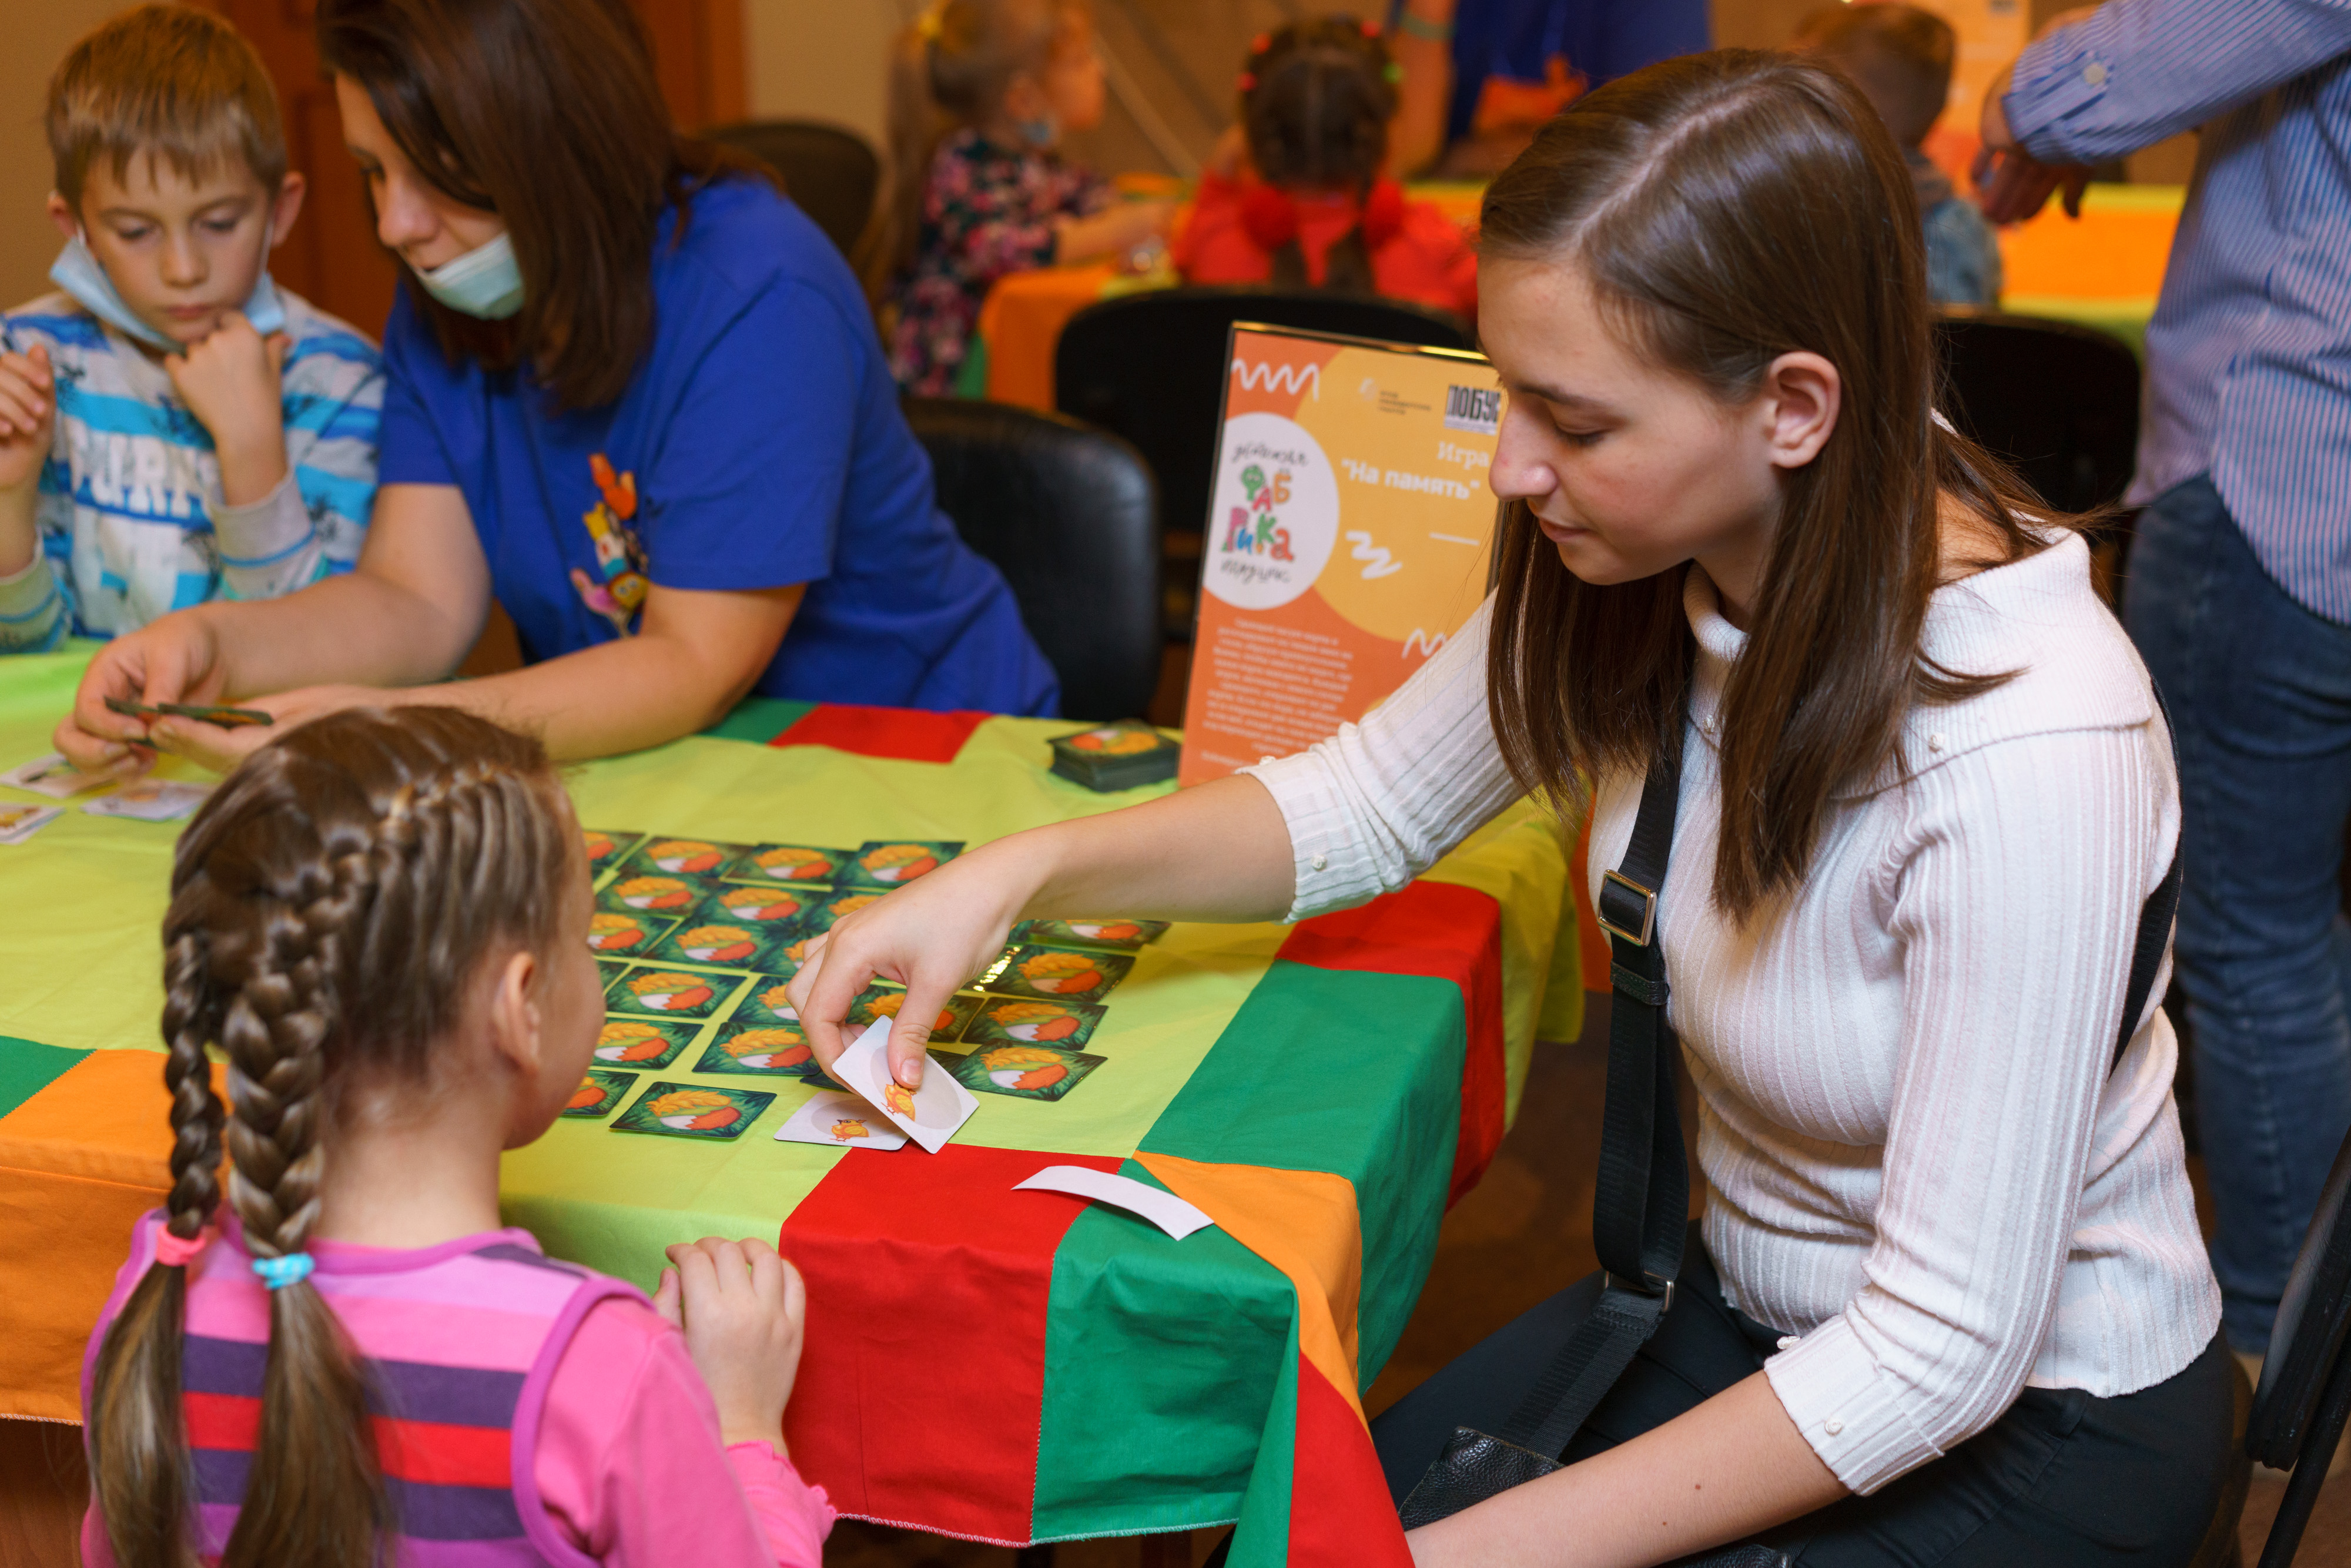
37	35
819	59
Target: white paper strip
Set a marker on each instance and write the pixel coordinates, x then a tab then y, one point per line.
1164	1210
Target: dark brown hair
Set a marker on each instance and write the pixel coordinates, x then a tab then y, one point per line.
1316	100
170	81
1900	56
950	68
329	904
548	113
1728	208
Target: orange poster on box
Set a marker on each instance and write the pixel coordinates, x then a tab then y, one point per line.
1350	533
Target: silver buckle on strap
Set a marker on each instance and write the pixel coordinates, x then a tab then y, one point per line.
1649	898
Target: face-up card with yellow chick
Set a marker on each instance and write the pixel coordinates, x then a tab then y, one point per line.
930	1114
840	1121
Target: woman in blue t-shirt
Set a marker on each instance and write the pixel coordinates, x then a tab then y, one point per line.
632	393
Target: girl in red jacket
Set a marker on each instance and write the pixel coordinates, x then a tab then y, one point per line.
1309	206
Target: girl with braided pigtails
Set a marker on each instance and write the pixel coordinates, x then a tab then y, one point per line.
380	922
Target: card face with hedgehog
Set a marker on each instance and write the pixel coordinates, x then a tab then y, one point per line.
670	993
643	1042
599	1093
767	908
759	1051
878	1002
786	862
694	1111
769	1002
607	847
1032	1020
1060	973
659	856
1021	1072
1118	936
623	933
886	863
730	942
658	896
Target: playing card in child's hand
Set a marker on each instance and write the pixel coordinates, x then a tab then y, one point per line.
930	1115
842	1122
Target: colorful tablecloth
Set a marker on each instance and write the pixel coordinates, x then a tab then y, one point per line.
982	1362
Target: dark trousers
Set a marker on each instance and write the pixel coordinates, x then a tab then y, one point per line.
2062	1478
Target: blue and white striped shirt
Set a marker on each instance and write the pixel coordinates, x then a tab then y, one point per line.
2249	356
133	524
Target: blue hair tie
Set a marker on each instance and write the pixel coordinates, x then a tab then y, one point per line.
280	1272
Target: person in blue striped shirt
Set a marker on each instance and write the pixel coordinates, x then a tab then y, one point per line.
173	427
2240	579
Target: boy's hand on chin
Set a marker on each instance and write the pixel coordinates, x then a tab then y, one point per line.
231	382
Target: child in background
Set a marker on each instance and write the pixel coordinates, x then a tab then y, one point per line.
1900	56
1306	205
980	91
381	920
173	427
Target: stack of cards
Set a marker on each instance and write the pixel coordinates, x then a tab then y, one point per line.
1116	756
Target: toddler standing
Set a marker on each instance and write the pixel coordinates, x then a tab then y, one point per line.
173	427
380	919
980	93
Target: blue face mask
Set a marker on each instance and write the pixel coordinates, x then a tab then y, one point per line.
78	272
485	281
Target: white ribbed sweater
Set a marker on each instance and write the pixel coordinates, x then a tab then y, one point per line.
1916	1161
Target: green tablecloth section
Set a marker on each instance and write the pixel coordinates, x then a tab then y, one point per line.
1322	1090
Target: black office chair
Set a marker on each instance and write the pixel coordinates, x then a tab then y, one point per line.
1069	514
2058	402
1151	367
830	171
2304	1400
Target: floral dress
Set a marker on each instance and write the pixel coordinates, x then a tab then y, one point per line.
987	210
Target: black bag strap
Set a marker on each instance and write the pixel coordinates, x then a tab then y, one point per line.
1640	1209
1641	1204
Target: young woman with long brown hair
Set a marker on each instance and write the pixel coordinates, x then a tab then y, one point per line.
380	921
633	394
1950	1305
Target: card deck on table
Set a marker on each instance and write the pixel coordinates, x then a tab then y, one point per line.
52	776
150	801
599	1092
625	930
1063	974
887	863
712	944
658	856
930	1115
654	895
1115	756
786	862
607	846
769	908
1118	936
642	1042
694	1111
203	713
840	1121
762	1050
650	988
877	1003
18	823
769	1001
1021	1072
1025	1020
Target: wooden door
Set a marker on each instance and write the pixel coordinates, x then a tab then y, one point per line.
332	258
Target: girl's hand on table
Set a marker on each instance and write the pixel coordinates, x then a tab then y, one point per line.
743	1310
930	935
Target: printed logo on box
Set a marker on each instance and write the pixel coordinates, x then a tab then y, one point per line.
1473	408
1276	513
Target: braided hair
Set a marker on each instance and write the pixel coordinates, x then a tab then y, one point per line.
329	904
1317	97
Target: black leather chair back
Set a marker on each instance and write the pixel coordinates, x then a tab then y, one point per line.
829	170
1151	367
2304	1399
1069	514
2058	402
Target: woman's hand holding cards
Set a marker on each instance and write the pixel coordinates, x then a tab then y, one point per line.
743	1310
174	660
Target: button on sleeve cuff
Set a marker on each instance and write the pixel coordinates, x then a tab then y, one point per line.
1847	1409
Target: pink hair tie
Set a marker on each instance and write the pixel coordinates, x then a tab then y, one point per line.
173	1252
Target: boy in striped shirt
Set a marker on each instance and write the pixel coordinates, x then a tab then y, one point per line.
173	427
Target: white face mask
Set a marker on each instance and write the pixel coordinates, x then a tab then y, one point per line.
485	282
78	271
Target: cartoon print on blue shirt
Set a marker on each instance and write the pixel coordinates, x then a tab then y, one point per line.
620	592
